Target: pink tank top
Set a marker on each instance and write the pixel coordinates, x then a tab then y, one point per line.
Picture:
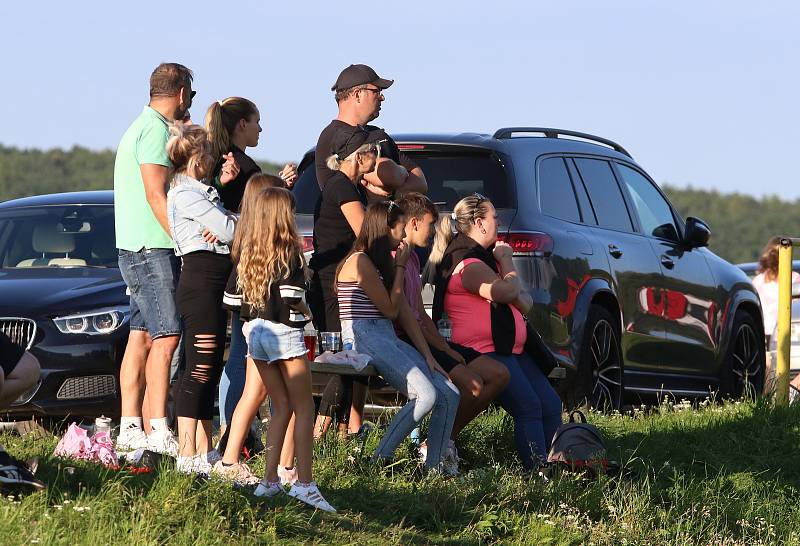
470	316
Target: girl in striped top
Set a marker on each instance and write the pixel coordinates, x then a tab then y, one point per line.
369	286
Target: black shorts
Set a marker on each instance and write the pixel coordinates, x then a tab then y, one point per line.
445	360
10	354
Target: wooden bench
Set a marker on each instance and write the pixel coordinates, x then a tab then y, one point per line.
369	371
343	369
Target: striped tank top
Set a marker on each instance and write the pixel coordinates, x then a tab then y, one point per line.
354	304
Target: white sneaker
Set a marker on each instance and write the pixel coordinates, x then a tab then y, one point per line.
238	473
194	464
311	495
423	451
268	489
213	457
163	441
131	439
287	476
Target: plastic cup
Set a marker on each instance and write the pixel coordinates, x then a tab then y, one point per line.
311	344
331	341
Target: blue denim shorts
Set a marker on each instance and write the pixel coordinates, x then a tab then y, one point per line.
270	341
152	278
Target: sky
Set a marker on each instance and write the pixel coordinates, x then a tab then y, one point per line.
701	93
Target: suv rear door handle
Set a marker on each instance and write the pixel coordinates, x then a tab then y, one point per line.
667	262
614	250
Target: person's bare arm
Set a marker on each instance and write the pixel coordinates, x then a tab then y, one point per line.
387	175
416	178
388	303
478	278
155	191
411	327
354	214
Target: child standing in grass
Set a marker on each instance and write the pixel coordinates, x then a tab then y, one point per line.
272	278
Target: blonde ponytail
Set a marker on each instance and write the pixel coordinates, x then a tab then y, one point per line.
444	234
219	137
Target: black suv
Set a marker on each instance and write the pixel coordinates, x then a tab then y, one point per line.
625	290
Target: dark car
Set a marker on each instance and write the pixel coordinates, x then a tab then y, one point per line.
62	298
624	289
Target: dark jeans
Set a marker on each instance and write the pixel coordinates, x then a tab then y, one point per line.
534	405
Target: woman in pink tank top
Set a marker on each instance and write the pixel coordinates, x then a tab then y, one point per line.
478	287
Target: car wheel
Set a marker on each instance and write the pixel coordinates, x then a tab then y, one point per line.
745	359
599	381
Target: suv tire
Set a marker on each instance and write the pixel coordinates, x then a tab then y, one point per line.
745	359
599	382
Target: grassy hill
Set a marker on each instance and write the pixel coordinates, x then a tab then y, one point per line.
740	224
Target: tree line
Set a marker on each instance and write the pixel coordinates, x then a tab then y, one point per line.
740	224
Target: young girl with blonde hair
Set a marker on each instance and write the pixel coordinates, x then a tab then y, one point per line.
268	253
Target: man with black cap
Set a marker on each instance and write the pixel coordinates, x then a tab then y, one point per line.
359	94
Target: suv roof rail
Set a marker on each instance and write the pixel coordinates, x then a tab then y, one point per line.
549	132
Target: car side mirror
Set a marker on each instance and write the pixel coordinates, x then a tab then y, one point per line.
696	233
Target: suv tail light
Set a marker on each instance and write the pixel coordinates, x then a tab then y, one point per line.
530	243
308	243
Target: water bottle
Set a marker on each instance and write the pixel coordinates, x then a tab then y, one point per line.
102	424
347	335
445	328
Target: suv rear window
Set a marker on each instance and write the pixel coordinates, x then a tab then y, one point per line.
451	175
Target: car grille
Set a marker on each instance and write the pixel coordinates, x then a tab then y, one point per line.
22	331
89	386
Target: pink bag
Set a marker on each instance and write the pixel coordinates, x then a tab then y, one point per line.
77	444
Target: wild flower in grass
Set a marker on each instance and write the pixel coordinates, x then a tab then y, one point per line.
81	508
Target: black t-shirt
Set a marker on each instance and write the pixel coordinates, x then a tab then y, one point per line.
231	193
324	148
333	236
10	353
283	296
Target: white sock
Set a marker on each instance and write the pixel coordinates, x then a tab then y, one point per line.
127	422
159	424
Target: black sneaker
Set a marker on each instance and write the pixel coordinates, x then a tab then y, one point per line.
15	473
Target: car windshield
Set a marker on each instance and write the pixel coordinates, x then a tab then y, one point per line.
58	236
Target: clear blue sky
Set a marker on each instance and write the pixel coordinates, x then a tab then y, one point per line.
701	93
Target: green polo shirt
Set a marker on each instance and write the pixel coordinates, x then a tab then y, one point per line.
144	142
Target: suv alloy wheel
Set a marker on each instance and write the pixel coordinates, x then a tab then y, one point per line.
598	383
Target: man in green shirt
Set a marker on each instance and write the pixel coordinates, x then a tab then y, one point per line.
147	261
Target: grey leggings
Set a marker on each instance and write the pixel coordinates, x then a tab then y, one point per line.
405	370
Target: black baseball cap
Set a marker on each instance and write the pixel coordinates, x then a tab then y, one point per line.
359	74
349	139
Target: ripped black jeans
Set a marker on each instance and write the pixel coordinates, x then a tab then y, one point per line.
199	298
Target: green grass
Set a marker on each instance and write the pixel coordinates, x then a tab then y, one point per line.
721	474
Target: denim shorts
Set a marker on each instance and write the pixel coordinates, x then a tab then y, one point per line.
270	341
152	278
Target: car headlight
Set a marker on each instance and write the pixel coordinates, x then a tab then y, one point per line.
99	322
